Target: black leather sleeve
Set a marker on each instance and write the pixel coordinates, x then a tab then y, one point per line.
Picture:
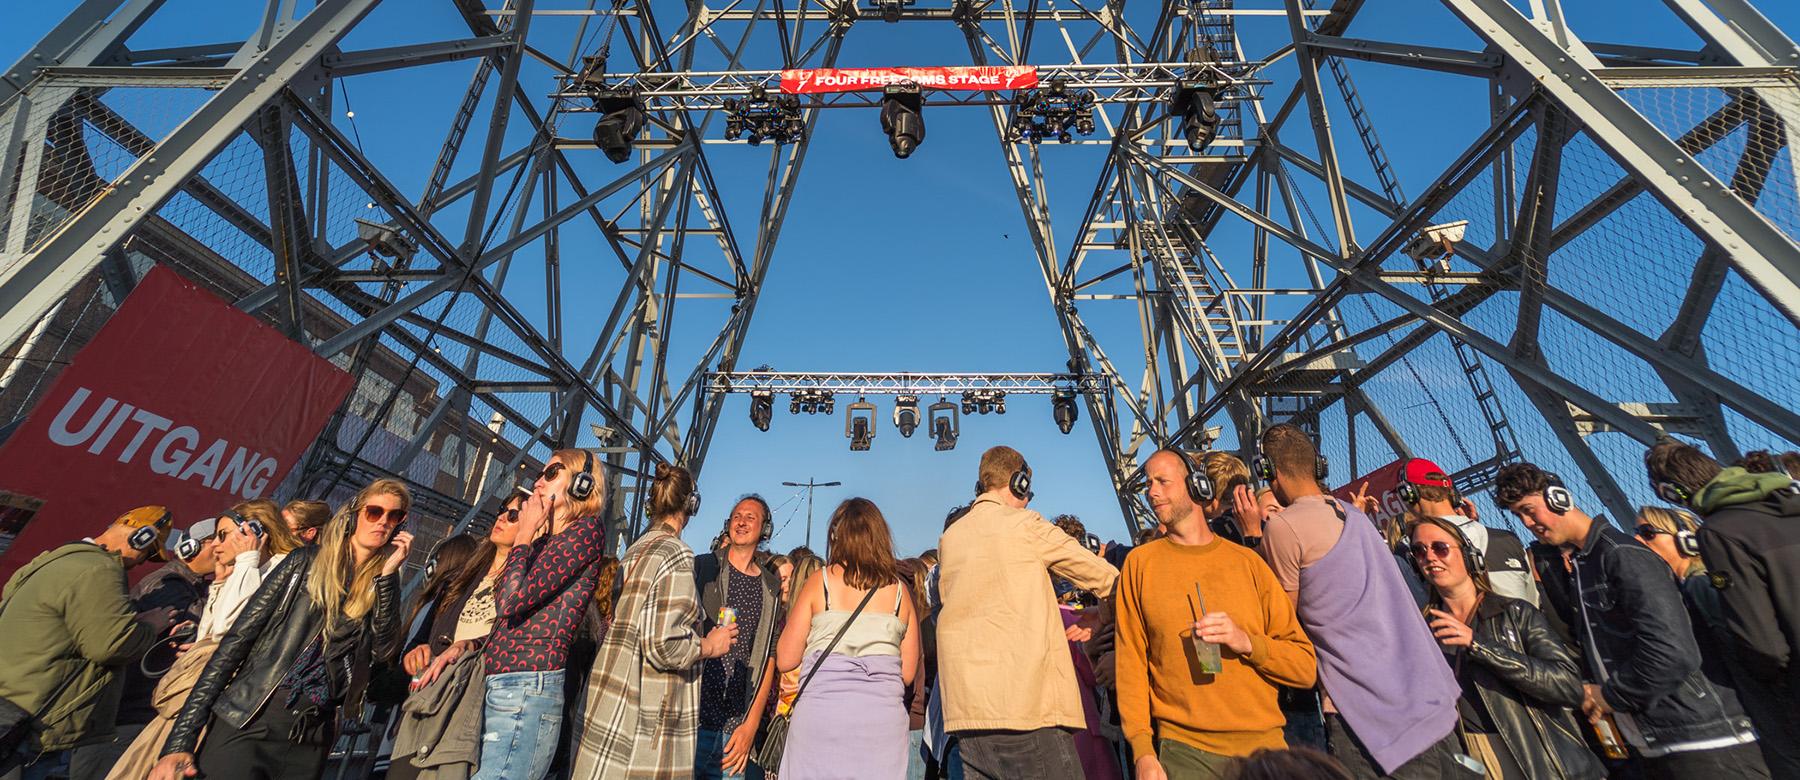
1545	671
386	622
234	648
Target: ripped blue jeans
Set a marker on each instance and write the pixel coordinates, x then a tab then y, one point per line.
522	716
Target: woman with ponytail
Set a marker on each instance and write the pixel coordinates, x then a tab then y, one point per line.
643	696
540	601
270	697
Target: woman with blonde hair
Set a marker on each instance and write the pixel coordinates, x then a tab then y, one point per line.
270	697
858	660
643	695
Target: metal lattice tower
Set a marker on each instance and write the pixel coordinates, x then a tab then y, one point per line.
1585	276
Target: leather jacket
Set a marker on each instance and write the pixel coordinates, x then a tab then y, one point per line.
259	651
1528	680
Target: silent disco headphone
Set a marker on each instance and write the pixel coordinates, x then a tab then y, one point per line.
1473	558
1556	496
188	548
581	484
1020	484
145	537
1200	485
692	507
1264	469
1408	489
1686	541
1674	493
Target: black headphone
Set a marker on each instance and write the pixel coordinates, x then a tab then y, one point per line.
144	538
1200	485
1409	492
1264	469
1556	495
1686	540
1020	484
581	484
692	507
188	548
1674	493
1473	558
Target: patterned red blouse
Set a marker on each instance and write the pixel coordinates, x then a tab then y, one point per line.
544	591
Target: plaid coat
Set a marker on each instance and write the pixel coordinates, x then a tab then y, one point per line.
643	697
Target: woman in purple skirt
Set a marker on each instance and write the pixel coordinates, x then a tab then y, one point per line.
849	719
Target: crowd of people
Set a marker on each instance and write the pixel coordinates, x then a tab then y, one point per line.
1262	629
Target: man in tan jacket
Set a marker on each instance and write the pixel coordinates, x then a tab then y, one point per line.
1004	669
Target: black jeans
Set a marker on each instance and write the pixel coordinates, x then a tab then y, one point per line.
1438	761
1716	764
263	749
1044	754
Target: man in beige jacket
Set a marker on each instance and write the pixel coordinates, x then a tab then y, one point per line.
1004	669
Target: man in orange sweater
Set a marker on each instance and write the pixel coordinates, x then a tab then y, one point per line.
1181	722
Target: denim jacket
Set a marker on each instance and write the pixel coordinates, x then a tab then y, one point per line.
1640	644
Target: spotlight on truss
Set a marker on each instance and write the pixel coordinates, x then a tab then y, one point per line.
1064	410
890	9
622	118
944	424
903	118
762	408
1194	105
859	424
386	240
1055	112
906	415
763	118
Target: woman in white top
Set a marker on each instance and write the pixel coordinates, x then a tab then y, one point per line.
254	556
854	666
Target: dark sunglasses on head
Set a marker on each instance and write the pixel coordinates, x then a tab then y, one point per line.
375	514
1439	549
1647	532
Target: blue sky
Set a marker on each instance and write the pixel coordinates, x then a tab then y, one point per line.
901	265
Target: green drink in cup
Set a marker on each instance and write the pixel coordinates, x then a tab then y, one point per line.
1206	653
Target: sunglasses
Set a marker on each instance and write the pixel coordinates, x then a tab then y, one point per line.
375	514
1438	549
509	515
551	471
1647	532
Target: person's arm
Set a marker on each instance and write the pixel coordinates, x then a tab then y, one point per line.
1284	655
909	644
1546	672
1751	616
534	577
1131	664
245	578
1066	558
1664	652
101	621
672	638
792	647
234	648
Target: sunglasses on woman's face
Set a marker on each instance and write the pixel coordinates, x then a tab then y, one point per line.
509	515
1647	532
551	471
376	514
1438	549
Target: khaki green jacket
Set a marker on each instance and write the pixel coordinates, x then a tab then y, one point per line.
66	615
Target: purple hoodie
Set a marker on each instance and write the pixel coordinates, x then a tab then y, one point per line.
1377	659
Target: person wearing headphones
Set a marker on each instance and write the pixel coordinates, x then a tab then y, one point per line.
67	627
1389	698
1428	491
737	584
643	695
1518	679
1185	720
1007	681
1643	663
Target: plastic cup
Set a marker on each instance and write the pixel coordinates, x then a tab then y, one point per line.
1206	653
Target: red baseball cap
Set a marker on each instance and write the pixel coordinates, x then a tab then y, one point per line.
1422	472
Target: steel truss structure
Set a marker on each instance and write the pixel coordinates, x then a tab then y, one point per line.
1626	224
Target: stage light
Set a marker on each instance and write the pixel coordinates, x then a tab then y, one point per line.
1193	104
1000	402
1051	113
793	405
762	118
762	408
968	402
622	117
944	424
1064	410
859	424
890	9
903	118
906	415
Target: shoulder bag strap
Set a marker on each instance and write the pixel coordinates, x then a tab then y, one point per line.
834	642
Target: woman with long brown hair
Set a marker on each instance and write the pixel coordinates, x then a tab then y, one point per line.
273	691
1518	678
856	630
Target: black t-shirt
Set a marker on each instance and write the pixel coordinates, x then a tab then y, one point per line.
727	684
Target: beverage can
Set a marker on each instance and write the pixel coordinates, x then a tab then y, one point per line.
727	616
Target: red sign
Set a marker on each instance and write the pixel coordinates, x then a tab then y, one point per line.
972	79
1381	483
180	400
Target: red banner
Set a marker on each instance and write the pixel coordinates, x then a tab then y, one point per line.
972	79
179	400
1381	484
